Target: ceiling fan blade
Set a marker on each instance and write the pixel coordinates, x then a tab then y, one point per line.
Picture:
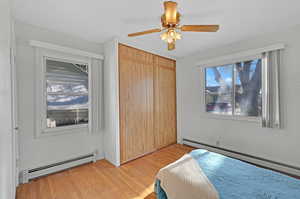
171	46
200	28
171	12
144	32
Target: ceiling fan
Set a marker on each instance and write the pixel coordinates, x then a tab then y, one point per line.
171	27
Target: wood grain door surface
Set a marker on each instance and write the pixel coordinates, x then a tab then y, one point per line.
136	102
165	101
147	86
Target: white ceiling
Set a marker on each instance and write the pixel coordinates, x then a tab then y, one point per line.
101	20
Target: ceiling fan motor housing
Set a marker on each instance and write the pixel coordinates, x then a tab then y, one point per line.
171	17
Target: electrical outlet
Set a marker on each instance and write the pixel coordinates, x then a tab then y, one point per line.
218	143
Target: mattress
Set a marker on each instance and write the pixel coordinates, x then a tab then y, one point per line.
234	179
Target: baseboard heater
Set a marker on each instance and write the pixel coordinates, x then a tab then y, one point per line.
29	174
270	164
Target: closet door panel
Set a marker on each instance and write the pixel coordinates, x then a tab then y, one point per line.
165	101
136	103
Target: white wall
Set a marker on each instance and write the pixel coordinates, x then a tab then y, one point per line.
246	137
41	151
7	190
111	103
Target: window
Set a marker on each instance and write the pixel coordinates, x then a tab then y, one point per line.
68	90
67	93
234	89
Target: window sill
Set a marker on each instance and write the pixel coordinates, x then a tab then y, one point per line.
64	130
234	118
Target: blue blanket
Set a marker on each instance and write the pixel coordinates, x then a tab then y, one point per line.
234	179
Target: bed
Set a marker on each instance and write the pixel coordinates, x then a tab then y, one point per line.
230	178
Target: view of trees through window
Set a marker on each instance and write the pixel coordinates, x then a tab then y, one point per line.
67	93
234	89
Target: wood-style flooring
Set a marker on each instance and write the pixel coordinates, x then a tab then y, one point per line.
102	180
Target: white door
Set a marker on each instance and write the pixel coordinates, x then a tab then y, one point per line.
7	156
15	136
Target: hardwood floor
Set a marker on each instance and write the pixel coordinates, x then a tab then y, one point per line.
134	180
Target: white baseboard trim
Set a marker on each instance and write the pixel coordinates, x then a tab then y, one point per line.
32	173
277	166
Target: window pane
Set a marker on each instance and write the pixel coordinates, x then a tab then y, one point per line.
218	89
248	88
67	93
66	102
57	118
66	87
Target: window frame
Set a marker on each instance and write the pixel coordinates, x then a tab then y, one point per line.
221	63
41	93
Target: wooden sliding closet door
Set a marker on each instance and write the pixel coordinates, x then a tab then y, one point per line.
136	102
165	101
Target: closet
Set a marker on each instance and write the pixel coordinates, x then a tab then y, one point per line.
147	90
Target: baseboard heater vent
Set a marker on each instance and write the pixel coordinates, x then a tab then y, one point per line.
270	164
29	174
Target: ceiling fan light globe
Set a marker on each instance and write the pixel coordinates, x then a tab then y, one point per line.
164	36
178	36
170	40
172	33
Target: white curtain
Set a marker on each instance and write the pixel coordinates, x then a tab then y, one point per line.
96	95
270	90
